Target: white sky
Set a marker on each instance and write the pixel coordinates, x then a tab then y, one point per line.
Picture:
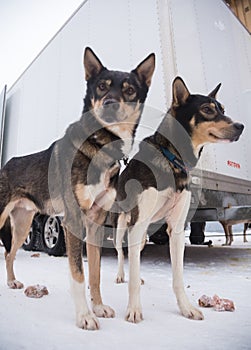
26	26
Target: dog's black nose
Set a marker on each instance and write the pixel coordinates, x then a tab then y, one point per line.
239	126
112	103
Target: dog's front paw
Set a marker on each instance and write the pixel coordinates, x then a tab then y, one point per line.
15	284
120	279
134	315
103	311
87	321
189	311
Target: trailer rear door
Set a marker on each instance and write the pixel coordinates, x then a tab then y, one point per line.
2	119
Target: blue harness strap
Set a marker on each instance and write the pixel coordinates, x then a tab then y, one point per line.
174	160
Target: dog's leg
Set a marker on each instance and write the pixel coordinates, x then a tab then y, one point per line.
135	239
118	242
21	220
143	243
84	317
176	224
245	232
226	227
100	310
231	236
94	234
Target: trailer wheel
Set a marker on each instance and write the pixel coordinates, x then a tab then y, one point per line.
52	236
30	242
160	237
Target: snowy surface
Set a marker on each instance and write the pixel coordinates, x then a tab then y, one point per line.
49	323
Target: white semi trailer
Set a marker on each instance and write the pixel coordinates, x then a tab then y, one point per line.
200	40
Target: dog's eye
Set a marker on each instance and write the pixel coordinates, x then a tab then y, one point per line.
207	110
102	86
130	91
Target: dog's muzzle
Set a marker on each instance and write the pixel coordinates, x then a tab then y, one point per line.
238	127
110	110
111	103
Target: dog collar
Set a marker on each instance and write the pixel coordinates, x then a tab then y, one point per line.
177	163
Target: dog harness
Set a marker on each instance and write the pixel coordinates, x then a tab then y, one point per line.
177	163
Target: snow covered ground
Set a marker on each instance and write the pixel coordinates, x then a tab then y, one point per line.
48	323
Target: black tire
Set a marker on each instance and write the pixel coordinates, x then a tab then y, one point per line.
31	241
52	236
160	237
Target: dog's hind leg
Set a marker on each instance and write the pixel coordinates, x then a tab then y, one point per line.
94	238
227	230
118	243
245	232
176	224
85	319
21	220
231	236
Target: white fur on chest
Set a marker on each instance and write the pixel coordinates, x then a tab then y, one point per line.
100	193
126	137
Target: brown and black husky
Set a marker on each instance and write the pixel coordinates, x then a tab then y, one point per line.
155	185
76	176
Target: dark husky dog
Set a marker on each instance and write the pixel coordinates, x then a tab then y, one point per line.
76	176
154	185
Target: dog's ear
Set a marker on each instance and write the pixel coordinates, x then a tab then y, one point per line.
92	64
145	69
214	92
180	92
